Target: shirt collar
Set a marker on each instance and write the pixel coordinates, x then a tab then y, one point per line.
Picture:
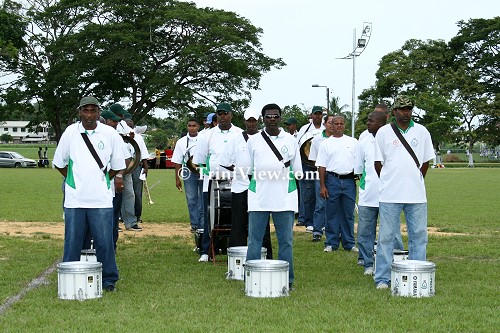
412	123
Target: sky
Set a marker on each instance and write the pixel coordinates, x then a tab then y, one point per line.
309	35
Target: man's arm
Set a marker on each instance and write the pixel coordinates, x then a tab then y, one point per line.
63	171
322	177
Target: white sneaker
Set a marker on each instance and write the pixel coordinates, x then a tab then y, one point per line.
382	285
328	249
309	228
203	258
353	249
368	271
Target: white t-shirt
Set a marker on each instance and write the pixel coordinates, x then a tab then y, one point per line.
142	146
182	146
310	130
209	147
86	186
337	154
236	153
364	164
400	179
315	143
273	190
363	135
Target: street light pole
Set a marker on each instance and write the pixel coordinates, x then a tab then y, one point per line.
327	95
359	45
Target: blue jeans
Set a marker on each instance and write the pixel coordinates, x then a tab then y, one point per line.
340	212
100	222
283	223
193	187
128	202
308	196
416	223
367	229
319	216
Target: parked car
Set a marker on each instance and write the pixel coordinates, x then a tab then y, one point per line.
165	160
11	159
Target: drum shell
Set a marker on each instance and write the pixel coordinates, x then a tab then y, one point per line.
79	280
413	278
266	278
236	257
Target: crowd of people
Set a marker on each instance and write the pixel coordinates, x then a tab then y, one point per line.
269	177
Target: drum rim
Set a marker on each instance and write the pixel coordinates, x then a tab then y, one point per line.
266	265
79	266
413	266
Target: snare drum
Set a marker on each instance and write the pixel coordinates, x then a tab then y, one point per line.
266	278
88	255
79	280
397	255
413	278
236	257
219	206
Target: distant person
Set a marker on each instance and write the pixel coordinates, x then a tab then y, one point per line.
45	158
384	108
40	157
291	125
88	200
402	186
157	157
338	186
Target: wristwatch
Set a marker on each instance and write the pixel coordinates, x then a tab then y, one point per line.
119	175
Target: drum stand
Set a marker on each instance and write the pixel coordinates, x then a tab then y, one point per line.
224	231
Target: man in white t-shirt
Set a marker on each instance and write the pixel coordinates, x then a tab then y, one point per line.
307	186
369	193
402	186
338	186
319	217
378	108
207	153
88	199
193	183
236	158
273	190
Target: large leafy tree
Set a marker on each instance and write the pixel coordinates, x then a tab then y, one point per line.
156	54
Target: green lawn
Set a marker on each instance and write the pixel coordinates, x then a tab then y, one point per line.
164	289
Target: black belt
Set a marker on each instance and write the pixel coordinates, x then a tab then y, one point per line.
346	176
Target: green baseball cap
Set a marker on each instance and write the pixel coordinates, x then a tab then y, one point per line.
88	100
107	114
224	107
290	121
117	109
402	102
317	108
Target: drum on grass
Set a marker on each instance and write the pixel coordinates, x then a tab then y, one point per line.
236	257
397	255
413	278
79	280
266	278
88	255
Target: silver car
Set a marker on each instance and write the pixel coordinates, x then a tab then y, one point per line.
11	159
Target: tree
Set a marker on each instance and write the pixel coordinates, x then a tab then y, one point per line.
6	138
157	54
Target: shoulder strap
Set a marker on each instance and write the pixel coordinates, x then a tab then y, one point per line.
405	144
245	135
93	152
273	148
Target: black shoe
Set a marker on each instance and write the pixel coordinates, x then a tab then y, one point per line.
139	220
317	238
300	224
135	227
110	288
290	287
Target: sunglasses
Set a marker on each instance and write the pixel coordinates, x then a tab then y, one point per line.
220	113
272	116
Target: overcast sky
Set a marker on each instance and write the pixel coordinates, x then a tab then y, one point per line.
310	34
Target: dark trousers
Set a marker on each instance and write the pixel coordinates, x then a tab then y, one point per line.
239	224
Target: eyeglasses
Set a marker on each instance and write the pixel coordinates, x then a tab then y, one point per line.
272	116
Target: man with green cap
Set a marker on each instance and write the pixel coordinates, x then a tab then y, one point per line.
291	124
88	194
307	184
402	186
208	150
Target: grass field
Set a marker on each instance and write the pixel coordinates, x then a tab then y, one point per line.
164	289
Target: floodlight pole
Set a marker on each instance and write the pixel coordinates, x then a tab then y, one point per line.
327	95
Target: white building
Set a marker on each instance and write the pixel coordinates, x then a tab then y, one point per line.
20	133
